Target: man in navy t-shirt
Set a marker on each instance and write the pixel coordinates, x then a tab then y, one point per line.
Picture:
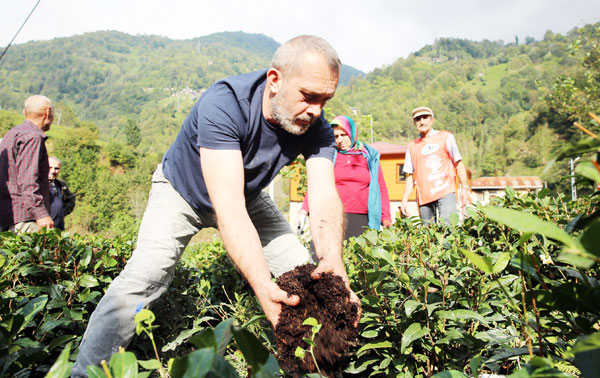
237	137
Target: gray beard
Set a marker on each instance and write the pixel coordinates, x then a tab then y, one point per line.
285	119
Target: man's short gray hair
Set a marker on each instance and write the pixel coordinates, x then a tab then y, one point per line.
55	159
36	105
290	56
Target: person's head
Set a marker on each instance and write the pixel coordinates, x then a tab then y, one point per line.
55	165
303	76
38	109
423	119
345	133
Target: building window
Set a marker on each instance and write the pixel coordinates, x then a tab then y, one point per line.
399	173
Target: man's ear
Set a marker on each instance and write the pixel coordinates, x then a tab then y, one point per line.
274	80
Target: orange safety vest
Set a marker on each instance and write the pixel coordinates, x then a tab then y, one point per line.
433	168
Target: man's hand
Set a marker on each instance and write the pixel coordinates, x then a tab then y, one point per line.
271	297
404	208
465	197
338	269
45	222
387	223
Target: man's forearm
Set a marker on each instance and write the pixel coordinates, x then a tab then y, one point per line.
327	226
243	246
408	187
461	170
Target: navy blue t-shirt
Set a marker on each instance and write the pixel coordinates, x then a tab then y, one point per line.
228	116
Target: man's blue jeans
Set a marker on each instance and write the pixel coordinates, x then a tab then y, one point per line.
440	209
168	224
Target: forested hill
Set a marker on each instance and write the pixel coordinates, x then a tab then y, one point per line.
490	94
121	99
111	77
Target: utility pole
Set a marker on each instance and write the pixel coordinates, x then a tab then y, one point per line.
573	187
371	117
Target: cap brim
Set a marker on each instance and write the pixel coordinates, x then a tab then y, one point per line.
421	113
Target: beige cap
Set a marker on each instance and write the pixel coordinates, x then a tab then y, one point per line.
421	110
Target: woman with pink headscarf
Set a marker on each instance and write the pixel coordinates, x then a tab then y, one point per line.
359	181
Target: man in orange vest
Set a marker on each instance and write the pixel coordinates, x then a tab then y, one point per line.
432	159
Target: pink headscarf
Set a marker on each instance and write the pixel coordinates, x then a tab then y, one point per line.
349	127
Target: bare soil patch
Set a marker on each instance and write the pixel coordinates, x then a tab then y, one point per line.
327	300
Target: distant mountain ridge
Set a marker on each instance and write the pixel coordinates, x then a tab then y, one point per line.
110	74
488	93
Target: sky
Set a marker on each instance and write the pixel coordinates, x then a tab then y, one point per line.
367	34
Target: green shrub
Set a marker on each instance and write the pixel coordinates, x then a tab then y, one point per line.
50	285
476	296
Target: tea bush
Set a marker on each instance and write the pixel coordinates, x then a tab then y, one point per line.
513	289
50	285
477	296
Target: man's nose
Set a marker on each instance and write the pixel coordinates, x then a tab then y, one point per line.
314	110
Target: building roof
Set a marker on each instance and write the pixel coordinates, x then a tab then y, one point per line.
516	182
389	148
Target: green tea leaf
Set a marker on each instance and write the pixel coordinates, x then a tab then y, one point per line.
87	280
124	364
450	374
588	170
224	333
576	259
590	239
583	146
62	367
369	334
310	321
410	306
475	364
382	254
369	346
32	308
501	263
222	368
461	315
205	339
95	372
587	343
587	355
256	355
525	222
450	335
481	262
153	364
194	365
299	352
143	318
412	333
61	340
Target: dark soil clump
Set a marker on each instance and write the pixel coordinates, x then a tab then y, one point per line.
328	301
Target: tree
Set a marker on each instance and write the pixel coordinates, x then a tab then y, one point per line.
8	120
577	92
133	134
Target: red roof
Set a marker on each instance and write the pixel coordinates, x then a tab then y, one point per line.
389	148
516	182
